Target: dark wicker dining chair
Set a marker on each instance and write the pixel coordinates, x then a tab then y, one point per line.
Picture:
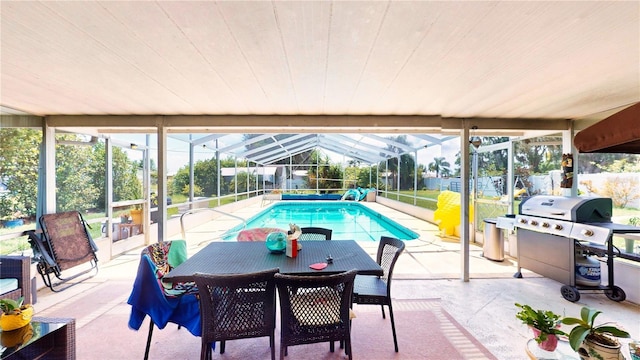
236	306
315	309
376	290
315	233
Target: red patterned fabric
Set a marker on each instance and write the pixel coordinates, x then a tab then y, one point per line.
257	234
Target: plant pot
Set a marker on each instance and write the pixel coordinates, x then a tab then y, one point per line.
548	345
591	350
9	322
628	245
136	216
17	337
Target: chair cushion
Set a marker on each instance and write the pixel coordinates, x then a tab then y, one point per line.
370	286
257	234
7	285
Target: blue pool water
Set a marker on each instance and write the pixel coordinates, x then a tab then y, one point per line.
348	220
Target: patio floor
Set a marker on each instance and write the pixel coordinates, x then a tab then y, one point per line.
428	269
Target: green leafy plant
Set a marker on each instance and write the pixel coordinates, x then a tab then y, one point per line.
10	306
546	321
585	328
10	207
635	221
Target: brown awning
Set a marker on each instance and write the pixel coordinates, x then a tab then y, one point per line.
619	133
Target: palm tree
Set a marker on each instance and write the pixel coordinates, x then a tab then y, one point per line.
439	165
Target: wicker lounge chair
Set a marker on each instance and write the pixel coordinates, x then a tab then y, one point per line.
63	243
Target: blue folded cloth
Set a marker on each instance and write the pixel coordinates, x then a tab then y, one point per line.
148	298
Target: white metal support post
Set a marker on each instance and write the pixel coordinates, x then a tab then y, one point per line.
219	171
510	177
162	181
464	196
50	169
415	179
146	178
108	189
191	169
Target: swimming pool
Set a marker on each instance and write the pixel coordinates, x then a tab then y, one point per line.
348	220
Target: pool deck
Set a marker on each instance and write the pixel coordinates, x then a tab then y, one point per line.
429	268
417	260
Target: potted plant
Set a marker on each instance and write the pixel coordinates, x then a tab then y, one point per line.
124	218
594	341
14	314
136	214
545	325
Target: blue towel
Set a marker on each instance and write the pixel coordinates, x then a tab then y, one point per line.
147	298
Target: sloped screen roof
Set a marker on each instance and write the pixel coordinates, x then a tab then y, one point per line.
268	149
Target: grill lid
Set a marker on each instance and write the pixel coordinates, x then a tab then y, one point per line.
575	209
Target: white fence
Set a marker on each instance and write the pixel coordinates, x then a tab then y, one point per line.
493	186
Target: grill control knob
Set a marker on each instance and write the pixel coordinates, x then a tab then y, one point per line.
587	232
545	225
534	222
522	221
557	227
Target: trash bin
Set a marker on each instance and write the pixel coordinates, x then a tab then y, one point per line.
493	248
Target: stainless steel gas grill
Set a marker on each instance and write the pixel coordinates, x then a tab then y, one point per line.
552	229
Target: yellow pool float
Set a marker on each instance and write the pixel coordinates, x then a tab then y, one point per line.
447	215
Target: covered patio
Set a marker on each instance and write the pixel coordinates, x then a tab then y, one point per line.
437	71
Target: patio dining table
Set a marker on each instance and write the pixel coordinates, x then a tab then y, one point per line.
230	257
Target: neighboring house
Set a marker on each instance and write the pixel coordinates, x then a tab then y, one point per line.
270	174
298	180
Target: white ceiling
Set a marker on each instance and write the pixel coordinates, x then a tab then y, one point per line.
448	59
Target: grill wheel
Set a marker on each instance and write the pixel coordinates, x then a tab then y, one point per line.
570	293
615	294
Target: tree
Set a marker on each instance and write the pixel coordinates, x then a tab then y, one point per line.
228	185
367	177
205	175
351	173
535	153
19	158
153	170
621	189
324	173
404	169
492	163
126	184
242	178
439	165
74	176
596	162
